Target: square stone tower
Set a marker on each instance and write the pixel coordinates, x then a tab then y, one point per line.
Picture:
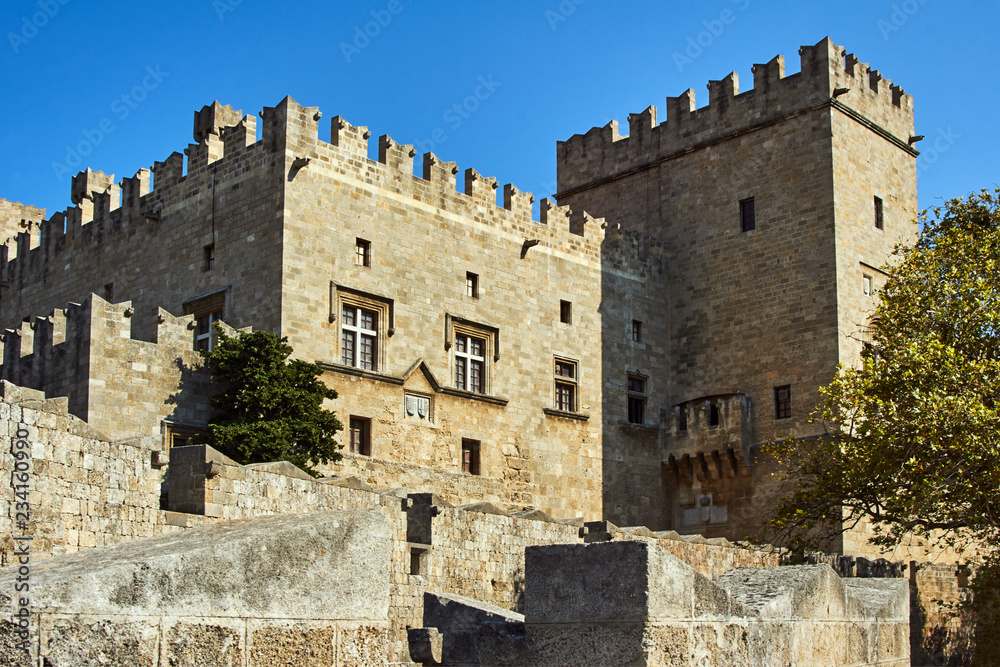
778	208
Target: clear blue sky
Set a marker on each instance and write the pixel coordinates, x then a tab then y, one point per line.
121	80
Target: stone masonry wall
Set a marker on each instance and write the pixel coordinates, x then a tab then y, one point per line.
83	491
750	311
126	241
122	386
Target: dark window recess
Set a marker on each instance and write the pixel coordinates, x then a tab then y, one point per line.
713	414
682	419
636	399
566	312
472	284
361	436
748	215
636	331
208	256
109	292
470	456
783	402
417	560
362	252
879	220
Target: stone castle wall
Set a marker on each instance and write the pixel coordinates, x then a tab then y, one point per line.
122	386
749	311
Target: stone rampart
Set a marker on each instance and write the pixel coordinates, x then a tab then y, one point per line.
90	353
82	491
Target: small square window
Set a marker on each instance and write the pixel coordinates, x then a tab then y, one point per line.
566	312
208	257
472	284
470	456
362	252
636	392
879	220
866	285
566	385
748	215
636	331
783	402
361	436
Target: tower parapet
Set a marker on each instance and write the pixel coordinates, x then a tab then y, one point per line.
829	77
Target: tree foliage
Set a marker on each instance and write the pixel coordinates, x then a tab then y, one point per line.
271	408
913	436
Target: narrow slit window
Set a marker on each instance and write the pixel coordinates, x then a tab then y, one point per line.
783	402
682	419
636	399
566	312
713	414
472	284
208	256
866	285
879	218
748	215
362	252
636	331
470	456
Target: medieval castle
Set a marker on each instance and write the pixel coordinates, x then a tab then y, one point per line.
620	360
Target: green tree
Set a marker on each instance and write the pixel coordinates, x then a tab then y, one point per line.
271	408
913	436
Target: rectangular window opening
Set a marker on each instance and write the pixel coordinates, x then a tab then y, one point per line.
417	557
879	220
636	390
208	256
748	215
470	456
783	402
866	285
362	252
682	419
472	284
713	414
109	292
359	337
204	337
361	436
636	331
470	363
566	385
566	312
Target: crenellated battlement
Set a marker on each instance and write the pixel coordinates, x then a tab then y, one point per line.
227	150
90	352
829	77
